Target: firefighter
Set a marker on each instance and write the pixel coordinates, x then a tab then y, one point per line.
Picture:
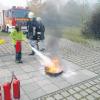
40	29
17	36
31	26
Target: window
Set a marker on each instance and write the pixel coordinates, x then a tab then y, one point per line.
20	13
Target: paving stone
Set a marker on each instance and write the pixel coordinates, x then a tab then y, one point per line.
89	91
62	84
27	68
50	88
91	82
58	97
77	96
90	97
71	91
83	93
98	92
94	88
80	76
88	85
24	97
50	98
84	99
23	77
28	88
77	89
64	99
44	82
98	86
23	82
97	81
36	94
95	95
83	86
71	98
65	94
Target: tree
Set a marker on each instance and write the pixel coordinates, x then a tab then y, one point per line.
56	13
74	13
92	27
36	6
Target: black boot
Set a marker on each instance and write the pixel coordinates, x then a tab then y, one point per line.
33	53
43	49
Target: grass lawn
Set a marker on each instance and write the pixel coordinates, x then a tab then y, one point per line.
74	34
4	34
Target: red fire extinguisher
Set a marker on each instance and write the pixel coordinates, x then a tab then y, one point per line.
0	94
16	89
18	46
7	91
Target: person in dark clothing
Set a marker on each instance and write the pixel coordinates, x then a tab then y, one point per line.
40	29
31	26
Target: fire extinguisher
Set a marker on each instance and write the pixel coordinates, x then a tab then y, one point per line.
16	89
16	86
0	94
7	91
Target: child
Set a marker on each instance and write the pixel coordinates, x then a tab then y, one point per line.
17	36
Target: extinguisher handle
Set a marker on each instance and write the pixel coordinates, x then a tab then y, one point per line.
13	77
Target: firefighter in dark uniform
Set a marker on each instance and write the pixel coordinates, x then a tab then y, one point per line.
40	29
31	26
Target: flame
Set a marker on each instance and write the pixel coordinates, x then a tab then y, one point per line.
53	67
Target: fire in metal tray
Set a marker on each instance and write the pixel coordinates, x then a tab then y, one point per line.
54	68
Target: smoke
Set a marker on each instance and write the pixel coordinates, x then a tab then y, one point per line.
59	14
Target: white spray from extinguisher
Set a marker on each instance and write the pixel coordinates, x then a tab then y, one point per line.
45	60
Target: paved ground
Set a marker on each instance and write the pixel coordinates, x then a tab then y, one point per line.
80	80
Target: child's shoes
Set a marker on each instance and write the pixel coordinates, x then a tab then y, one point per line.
19	61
